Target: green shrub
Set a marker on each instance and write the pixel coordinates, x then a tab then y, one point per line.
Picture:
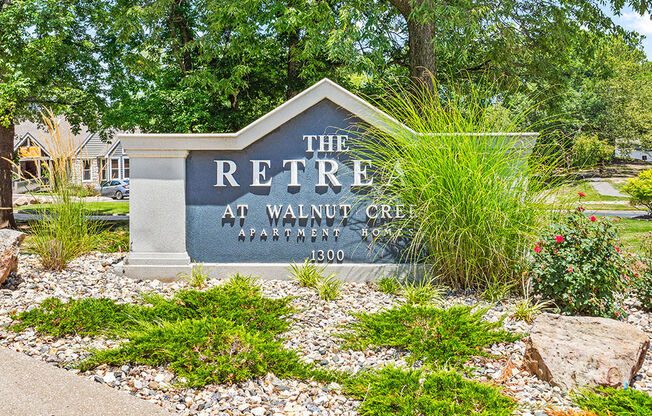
223	335
475	200
389	285
421	292
615	402
307	274
640	189
103	316
444	337
577	265
392	391
329	287
589	151
77	316
205	351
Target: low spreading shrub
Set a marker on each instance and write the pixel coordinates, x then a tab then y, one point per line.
77	316
443	337
615	402
223	335
205	351
392	391
104	316
578	266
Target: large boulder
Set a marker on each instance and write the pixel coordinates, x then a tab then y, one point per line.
10	241
579	351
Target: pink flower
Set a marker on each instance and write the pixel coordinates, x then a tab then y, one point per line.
559	239
617	249
581	194
580	209
537	249
592	218
569	269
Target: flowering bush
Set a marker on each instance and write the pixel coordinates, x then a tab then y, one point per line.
577	264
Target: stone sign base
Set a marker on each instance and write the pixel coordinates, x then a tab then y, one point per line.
168	272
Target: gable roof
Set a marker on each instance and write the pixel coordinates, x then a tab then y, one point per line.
157	144
36	131
94	147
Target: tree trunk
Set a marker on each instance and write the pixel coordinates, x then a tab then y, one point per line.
422	36
292	65
6	193
423	62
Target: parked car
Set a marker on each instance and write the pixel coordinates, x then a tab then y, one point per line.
116	189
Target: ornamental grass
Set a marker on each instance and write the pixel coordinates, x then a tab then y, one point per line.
461	165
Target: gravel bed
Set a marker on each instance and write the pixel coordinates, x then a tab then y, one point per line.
312	334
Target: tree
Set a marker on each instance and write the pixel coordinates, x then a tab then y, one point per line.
46	59
526	40
214	65
607	95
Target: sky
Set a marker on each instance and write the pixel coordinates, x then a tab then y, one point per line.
642	24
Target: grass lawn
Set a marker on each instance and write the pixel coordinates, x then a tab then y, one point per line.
633	231
117	207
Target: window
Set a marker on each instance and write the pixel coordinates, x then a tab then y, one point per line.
644	157
102	167
115	168
125	168
86	170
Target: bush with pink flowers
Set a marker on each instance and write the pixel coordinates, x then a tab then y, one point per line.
578	266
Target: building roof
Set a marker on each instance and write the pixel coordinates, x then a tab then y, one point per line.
84	144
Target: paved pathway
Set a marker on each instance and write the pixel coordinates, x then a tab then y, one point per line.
32	387
605	188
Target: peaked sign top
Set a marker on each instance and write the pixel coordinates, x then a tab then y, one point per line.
141	144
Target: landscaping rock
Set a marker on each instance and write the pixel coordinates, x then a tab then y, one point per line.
577	351
23	200
10	241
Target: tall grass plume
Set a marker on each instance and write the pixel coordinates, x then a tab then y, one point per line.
463	166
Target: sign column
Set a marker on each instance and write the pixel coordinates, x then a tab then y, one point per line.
157	211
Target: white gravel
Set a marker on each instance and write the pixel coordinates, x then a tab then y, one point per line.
312	334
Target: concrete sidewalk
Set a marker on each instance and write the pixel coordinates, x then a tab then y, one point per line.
32	387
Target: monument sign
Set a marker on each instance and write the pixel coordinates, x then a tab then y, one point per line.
284	189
